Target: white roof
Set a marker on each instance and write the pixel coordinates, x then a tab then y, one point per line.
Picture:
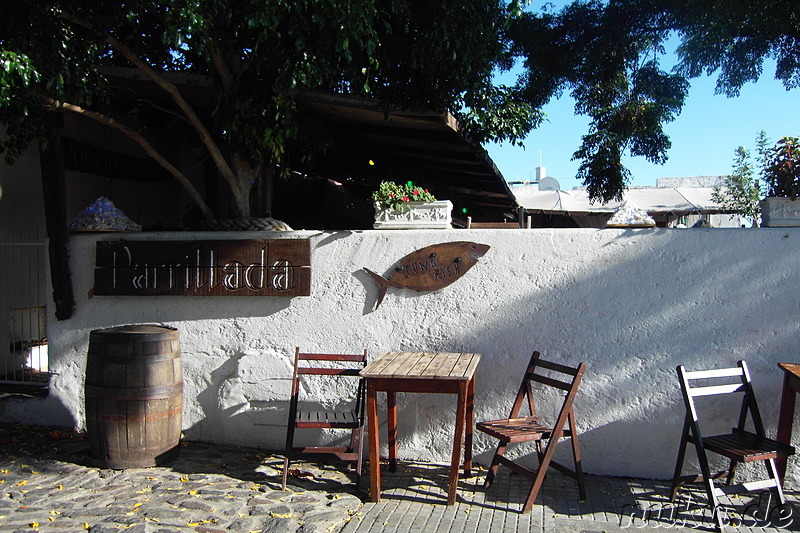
650	199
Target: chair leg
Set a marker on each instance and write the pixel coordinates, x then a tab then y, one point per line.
772	470
731	472
360	461
708	481
492	472
285	472
352	440
576	456
538	480
679	462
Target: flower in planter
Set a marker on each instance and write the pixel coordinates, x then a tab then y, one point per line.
394	197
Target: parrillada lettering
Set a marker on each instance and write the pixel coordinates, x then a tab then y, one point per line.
199	270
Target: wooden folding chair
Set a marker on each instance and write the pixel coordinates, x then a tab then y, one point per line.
740	445
516	429
335	366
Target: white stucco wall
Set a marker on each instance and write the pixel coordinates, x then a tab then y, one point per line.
632	304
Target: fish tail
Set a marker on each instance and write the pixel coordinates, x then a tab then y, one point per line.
383	285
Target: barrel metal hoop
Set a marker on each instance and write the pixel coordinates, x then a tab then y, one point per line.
142	393
155	358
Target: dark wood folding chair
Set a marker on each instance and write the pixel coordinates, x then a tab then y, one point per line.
333	366
516	429
739	446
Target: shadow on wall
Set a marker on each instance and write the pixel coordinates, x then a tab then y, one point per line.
49	411
620	318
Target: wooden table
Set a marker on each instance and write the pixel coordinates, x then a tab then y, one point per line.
791	386
394	372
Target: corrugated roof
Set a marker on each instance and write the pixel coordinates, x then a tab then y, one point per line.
654	200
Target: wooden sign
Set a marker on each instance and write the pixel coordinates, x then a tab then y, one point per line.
274	267
430	268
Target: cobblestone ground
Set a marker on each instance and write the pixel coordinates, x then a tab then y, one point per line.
47	484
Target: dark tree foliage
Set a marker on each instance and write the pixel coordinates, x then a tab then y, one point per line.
607	56
257	57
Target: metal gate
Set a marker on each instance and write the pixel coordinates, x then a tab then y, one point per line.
23	315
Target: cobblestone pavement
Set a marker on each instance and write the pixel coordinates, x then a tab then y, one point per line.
48	485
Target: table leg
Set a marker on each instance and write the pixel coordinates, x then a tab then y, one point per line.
470	427
785	419
391	428
374	443
458	440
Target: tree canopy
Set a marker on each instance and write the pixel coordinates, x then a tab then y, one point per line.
609	56
258	57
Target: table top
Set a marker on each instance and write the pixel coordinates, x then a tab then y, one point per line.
791	368
423	365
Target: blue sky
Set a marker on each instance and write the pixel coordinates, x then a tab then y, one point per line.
704	136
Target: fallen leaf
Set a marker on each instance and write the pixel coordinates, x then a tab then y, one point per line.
23	482
294	472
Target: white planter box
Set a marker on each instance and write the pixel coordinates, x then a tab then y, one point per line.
779	212
422	215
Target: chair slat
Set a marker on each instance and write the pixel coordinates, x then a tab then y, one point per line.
317	371
546	380
714	373
331	357
558	367
712	390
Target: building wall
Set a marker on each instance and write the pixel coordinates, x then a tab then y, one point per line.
632	304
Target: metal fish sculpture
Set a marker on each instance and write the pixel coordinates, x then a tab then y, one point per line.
430	268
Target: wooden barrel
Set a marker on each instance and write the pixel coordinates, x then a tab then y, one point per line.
134	396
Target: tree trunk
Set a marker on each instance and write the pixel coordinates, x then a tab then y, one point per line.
51	157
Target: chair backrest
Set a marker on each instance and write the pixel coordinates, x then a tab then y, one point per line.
561	377
325	364
714	382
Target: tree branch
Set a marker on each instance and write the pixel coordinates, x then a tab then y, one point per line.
222	68
148	148
171	89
